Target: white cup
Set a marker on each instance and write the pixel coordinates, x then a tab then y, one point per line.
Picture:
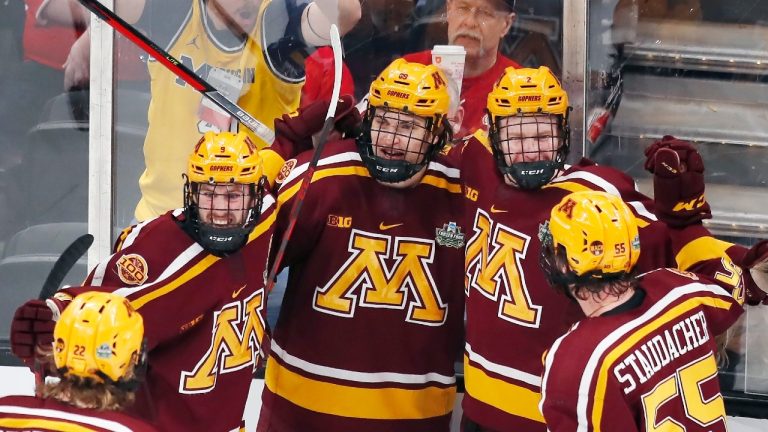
450	59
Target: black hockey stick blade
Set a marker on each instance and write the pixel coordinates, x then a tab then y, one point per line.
307	179
64	264
178	69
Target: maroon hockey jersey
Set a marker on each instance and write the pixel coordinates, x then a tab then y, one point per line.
474	90
371	325
651	367
508	298
204	318
27	413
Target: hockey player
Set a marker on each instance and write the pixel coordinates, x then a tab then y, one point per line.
197	276
246	49
511	178
370	327
644	358
99	355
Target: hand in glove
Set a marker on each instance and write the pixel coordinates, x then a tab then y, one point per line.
678	182
756	281
293	134
32	326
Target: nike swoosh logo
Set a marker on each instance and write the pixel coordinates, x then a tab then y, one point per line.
386	227
237	292
495	210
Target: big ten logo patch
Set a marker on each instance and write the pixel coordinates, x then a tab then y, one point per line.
132	269
470	193
385	272
339	221
237	332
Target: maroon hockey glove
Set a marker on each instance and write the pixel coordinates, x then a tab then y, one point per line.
756	282
293	135
678	182
32	326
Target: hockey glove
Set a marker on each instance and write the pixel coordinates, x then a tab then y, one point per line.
756	283
293	134
678	182
32	326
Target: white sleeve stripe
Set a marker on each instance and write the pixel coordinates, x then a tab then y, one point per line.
366	377
449	172
62	415
622	332
301	169
98	273
607	187
504	371
548	360
177	263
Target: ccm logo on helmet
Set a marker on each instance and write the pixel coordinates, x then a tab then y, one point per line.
532	172
529	98
387	170
222	168
220	239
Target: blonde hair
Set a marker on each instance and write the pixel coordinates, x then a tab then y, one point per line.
85	392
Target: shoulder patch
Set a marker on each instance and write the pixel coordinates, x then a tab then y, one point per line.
285	171
132	269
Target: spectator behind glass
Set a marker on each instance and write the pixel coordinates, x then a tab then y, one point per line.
219	39
478	26
32	82
381	37
320	74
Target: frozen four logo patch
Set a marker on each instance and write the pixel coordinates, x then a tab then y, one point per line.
450	235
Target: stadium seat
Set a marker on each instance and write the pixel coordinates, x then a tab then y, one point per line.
26	261
52	178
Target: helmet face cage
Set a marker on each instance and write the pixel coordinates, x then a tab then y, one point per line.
396	145
530	148
222	215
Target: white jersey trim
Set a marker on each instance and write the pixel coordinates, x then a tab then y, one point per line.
180	261
548	360
505	371
62	415
621	332
449	172
366	377
301	169
607	187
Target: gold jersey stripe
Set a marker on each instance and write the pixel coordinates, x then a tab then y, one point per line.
701	249
198	268
38	424
387	403
633	338
510	398
362	172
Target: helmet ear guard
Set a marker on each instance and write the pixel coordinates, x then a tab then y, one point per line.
531	96
402	91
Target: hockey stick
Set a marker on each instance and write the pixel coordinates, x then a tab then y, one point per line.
307	178
64	264
603	116
181	71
